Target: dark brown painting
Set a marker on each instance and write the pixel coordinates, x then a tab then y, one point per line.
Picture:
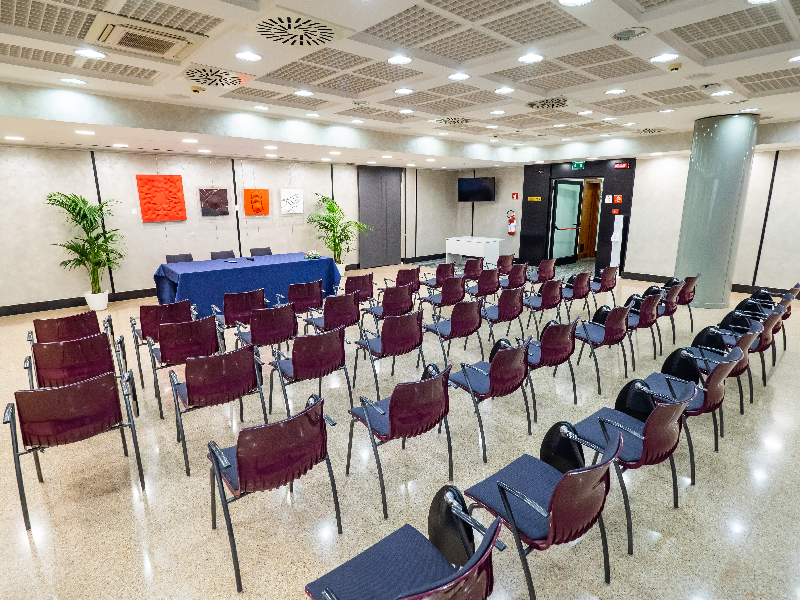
214	202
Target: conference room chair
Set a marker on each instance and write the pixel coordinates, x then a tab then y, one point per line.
669	305
610	333
757	309
261	251
549	296
408	276
179	341
443	271
413	409
237	307
767	339
544	272
644	443
223	254
304	296
473	268
543	507
396	301
708	399
504	263
488	284
268	457
179	258
313	357
451	292
687	295
509	307
151	317
338	311
269	327
556	347
517	277
50	417
760	297
579	289
65	329
215	380
361	286
644	317
504	374
399	335
605	283
61	363
465	319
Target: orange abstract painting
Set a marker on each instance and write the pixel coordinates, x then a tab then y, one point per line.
161	198
256	202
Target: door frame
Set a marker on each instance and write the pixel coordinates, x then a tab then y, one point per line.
552	215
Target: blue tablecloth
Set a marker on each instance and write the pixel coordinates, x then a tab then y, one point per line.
205	282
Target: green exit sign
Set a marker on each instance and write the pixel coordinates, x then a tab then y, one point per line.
578	165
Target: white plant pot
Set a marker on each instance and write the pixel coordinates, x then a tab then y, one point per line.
341	268
97	301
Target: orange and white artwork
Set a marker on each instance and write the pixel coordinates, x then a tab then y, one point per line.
256	202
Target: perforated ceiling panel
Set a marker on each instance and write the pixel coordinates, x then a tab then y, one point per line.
763	37
328	57
749	18
796	6
772	81
411	27
595	56
536	23
476	10
251	94
347	82
453	89
106	66
300	73
626	104
522	120
654	4
365	112
49	18
462	128
465	45
528	71
169	16
560	80
445	106
387	72
32	54
679	95
300	101
414	99
482	97
621	68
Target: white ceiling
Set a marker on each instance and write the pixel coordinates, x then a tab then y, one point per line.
742	47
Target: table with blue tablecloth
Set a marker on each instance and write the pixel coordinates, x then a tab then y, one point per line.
205	282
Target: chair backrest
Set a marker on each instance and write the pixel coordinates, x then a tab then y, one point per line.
222	254
558	342
504	263
744	343
212	380
551	293
453	290
581	285
360	285
509	305
408	277
518	275
770	324
579	497
153	315
62	363
715	381
64	329
662	430
546	270
269	456
261	251
270	326
397	300
444	271
671	299
648	310
305	296
418	406
465	318
508	370
488	282
62	415
340	311
315	356
401	335
179	341
616	325
687	293
608	279
239	306
473	268
179	258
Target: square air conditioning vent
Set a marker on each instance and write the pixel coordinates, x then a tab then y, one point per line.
130	35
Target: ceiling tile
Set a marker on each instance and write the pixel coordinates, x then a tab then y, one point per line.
453	89
626	104
678	95
536	23
646	5
300	101
167	15
482	97
347	82
745	41
415	99
465	128
527	71
365	112
772	81
465	45
35	55
328	57
595	56
106	66
250	94
560	80
735	22
620	68
444	106
47	18
413	26
476	10
387	72
299	72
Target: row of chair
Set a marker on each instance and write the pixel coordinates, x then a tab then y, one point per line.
221	255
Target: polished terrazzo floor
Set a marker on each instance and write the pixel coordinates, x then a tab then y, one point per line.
96	535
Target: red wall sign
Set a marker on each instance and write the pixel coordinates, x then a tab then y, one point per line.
622	165
615	211
515	196
617	199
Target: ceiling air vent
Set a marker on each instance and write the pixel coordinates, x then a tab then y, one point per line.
559	102
631	33
296	29
650	130
130	35
213	76
453	121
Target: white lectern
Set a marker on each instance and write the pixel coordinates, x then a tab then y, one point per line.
487	248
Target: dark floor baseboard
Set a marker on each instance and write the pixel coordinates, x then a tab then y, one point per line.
644	277
427	257
32	307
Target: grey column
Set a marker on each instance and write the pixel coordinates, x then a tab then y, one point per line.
713	208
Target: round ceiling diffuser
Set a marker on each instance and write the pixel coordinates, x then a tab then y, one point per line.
212	76
295	31
630	33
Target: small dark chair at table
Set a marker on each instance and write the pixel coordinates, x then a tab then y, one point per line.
644	317
545	272
578	290
237	308
473	269
549	296
543	507
610	333
408	276
463	322
504	263
304	296
360	285
687	295
339	311
269	327
451	292
509	307
443	271
504	374
396	301
150	317
413	409
261	251
488	284
399	335
179	341
223	254
268	457
50	417
605	283
179	258
555	348
669	305
517	277
313	357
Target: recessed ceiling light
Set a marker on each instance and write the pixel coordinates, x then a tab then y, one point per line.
566	139
73	81
430	160
84	132
404	91
399	60
189	141
271	155
605	135
14	138
497	165
372	162
406	111
356	121
411	165
248	56
574	2
667	110
444	167
312	115
518	144
583	113
120	145
539	162
795	59
610	119
722	93
491	126
444	133
560	125
656	154
628	124
458	76
747	110
760	1
497	112
261	107
615	92
325	159
334	152
663	58
204	151
267	147
530	58
387	156
89	53
303	93
504	90
492	140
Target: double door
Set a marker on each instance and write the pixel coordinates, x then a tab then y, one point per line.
574	211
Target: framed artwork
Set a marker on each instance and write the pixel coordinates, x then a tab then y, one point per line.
214	202
291	202
256	202
161	198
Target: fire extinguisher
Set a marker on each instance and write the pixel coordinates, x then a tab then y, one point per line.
512	222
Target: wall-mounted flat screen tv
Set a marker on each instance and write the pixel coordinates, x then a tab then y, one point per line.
476	189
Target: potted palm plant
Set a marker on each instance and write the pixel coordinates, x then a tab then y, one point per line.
94	248
336	232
